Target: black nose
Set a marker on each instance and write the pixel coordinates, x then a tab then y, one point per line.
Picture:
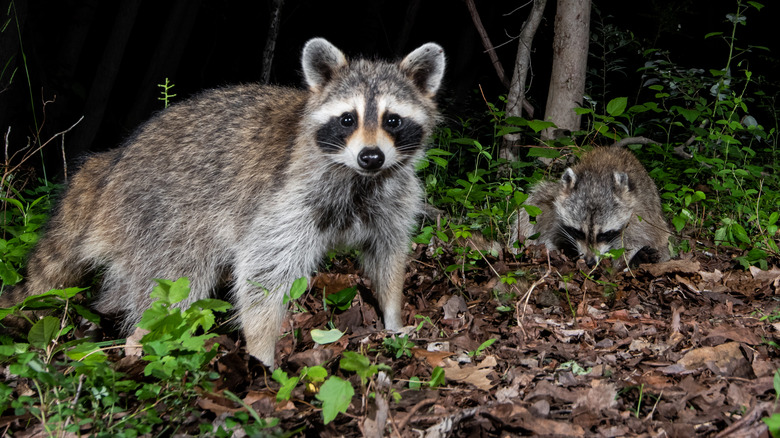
371	158
590	261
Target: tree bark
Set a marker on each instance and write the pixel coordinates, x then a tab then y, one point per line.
270	41
570	57
516	99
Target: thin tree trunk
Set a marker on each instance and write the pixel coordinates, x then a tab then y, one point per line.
516	99
570	56
270	42
486	42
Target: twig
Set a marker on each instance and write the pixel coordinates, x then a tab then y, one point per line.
414	410
486	42
29	154
527	296
634	140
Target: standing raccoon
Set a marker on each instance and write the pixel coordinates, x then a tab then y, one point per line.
256	181
605	202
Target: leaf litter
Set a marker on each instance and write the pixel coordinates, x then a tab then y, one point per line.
682	348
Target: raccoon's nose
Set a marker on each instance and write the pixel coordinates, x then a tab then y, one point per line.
590	261
371	158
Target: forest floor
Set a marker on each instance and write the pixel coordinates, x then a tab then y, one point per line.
683	348
676	349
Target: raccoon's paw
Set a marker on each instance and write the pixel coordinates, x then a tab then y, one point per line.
645	255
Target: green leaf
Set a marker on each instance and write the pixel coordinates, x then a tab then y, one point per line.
297	289
437	378
288	384
43	332
326	336
343	298
712	34
544	152
171	291
539	125
617	106
336	395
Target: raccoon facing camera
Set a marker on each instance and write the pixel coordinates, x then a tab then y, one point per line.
607	201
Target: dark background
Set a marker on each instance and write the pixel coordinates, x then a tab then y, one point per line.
104	59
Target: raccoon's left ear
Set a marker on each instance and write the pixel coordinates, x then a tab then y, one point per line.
569	178
320	60
623	182
425	67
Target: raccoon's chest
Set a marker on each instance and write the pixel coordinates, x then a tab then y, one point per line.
342	204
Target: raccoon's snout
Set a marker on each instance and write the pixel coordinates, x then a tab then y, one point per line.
371	158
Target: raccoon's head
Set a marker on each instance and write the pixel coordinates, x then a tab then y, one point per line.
371	116
593	211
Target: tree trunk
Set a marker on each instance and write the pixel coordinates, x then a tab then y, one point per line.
514	107
570	56
270	41
516	100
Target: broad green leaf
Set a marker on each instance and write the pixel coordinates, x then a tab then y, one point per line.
336	395
297	289
326	336
437	378
539	125
341	299
544	152
617	106
43	332
288	384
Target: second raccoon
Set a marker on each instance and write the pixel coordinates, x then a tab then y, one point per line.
606	201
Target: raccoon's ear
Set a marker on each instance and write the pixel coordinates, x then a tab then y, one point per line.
622	182
320	60
569	179
425	67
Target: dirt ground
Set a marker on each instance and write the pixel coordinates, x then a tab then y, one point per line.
677	349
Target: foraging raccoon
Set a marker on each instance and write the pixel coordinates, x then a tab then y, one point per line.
258	181
605	202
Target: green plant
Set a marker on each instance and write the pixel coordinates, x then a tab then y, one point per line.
773	422
165	94
23	216
398	345
482	347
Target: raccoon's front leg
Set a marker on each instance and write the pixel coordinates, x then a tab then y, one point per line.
260	313
385	265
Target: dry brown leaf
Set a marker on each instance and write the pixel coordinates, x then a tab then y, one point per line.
434	358
770	275
711	277
673	266
726	357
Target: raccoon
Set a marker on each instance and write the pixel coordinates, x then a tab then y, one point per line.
605	202
258	182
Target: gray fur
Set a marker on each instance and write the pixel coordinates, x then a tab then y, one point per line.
602	196
258	182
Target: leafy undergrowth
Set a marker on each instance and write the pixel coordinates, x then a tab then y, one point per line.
683	348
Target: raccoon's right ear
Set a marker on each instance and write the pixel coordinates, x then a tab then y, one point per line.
425	67
569	179
320	60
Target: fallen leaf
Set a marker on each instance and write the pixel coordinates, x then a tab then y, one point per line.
725	357
434	358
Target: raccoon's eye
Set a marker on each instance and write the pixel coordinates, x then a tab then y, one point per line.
607	236
393	121
347	120
574	233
